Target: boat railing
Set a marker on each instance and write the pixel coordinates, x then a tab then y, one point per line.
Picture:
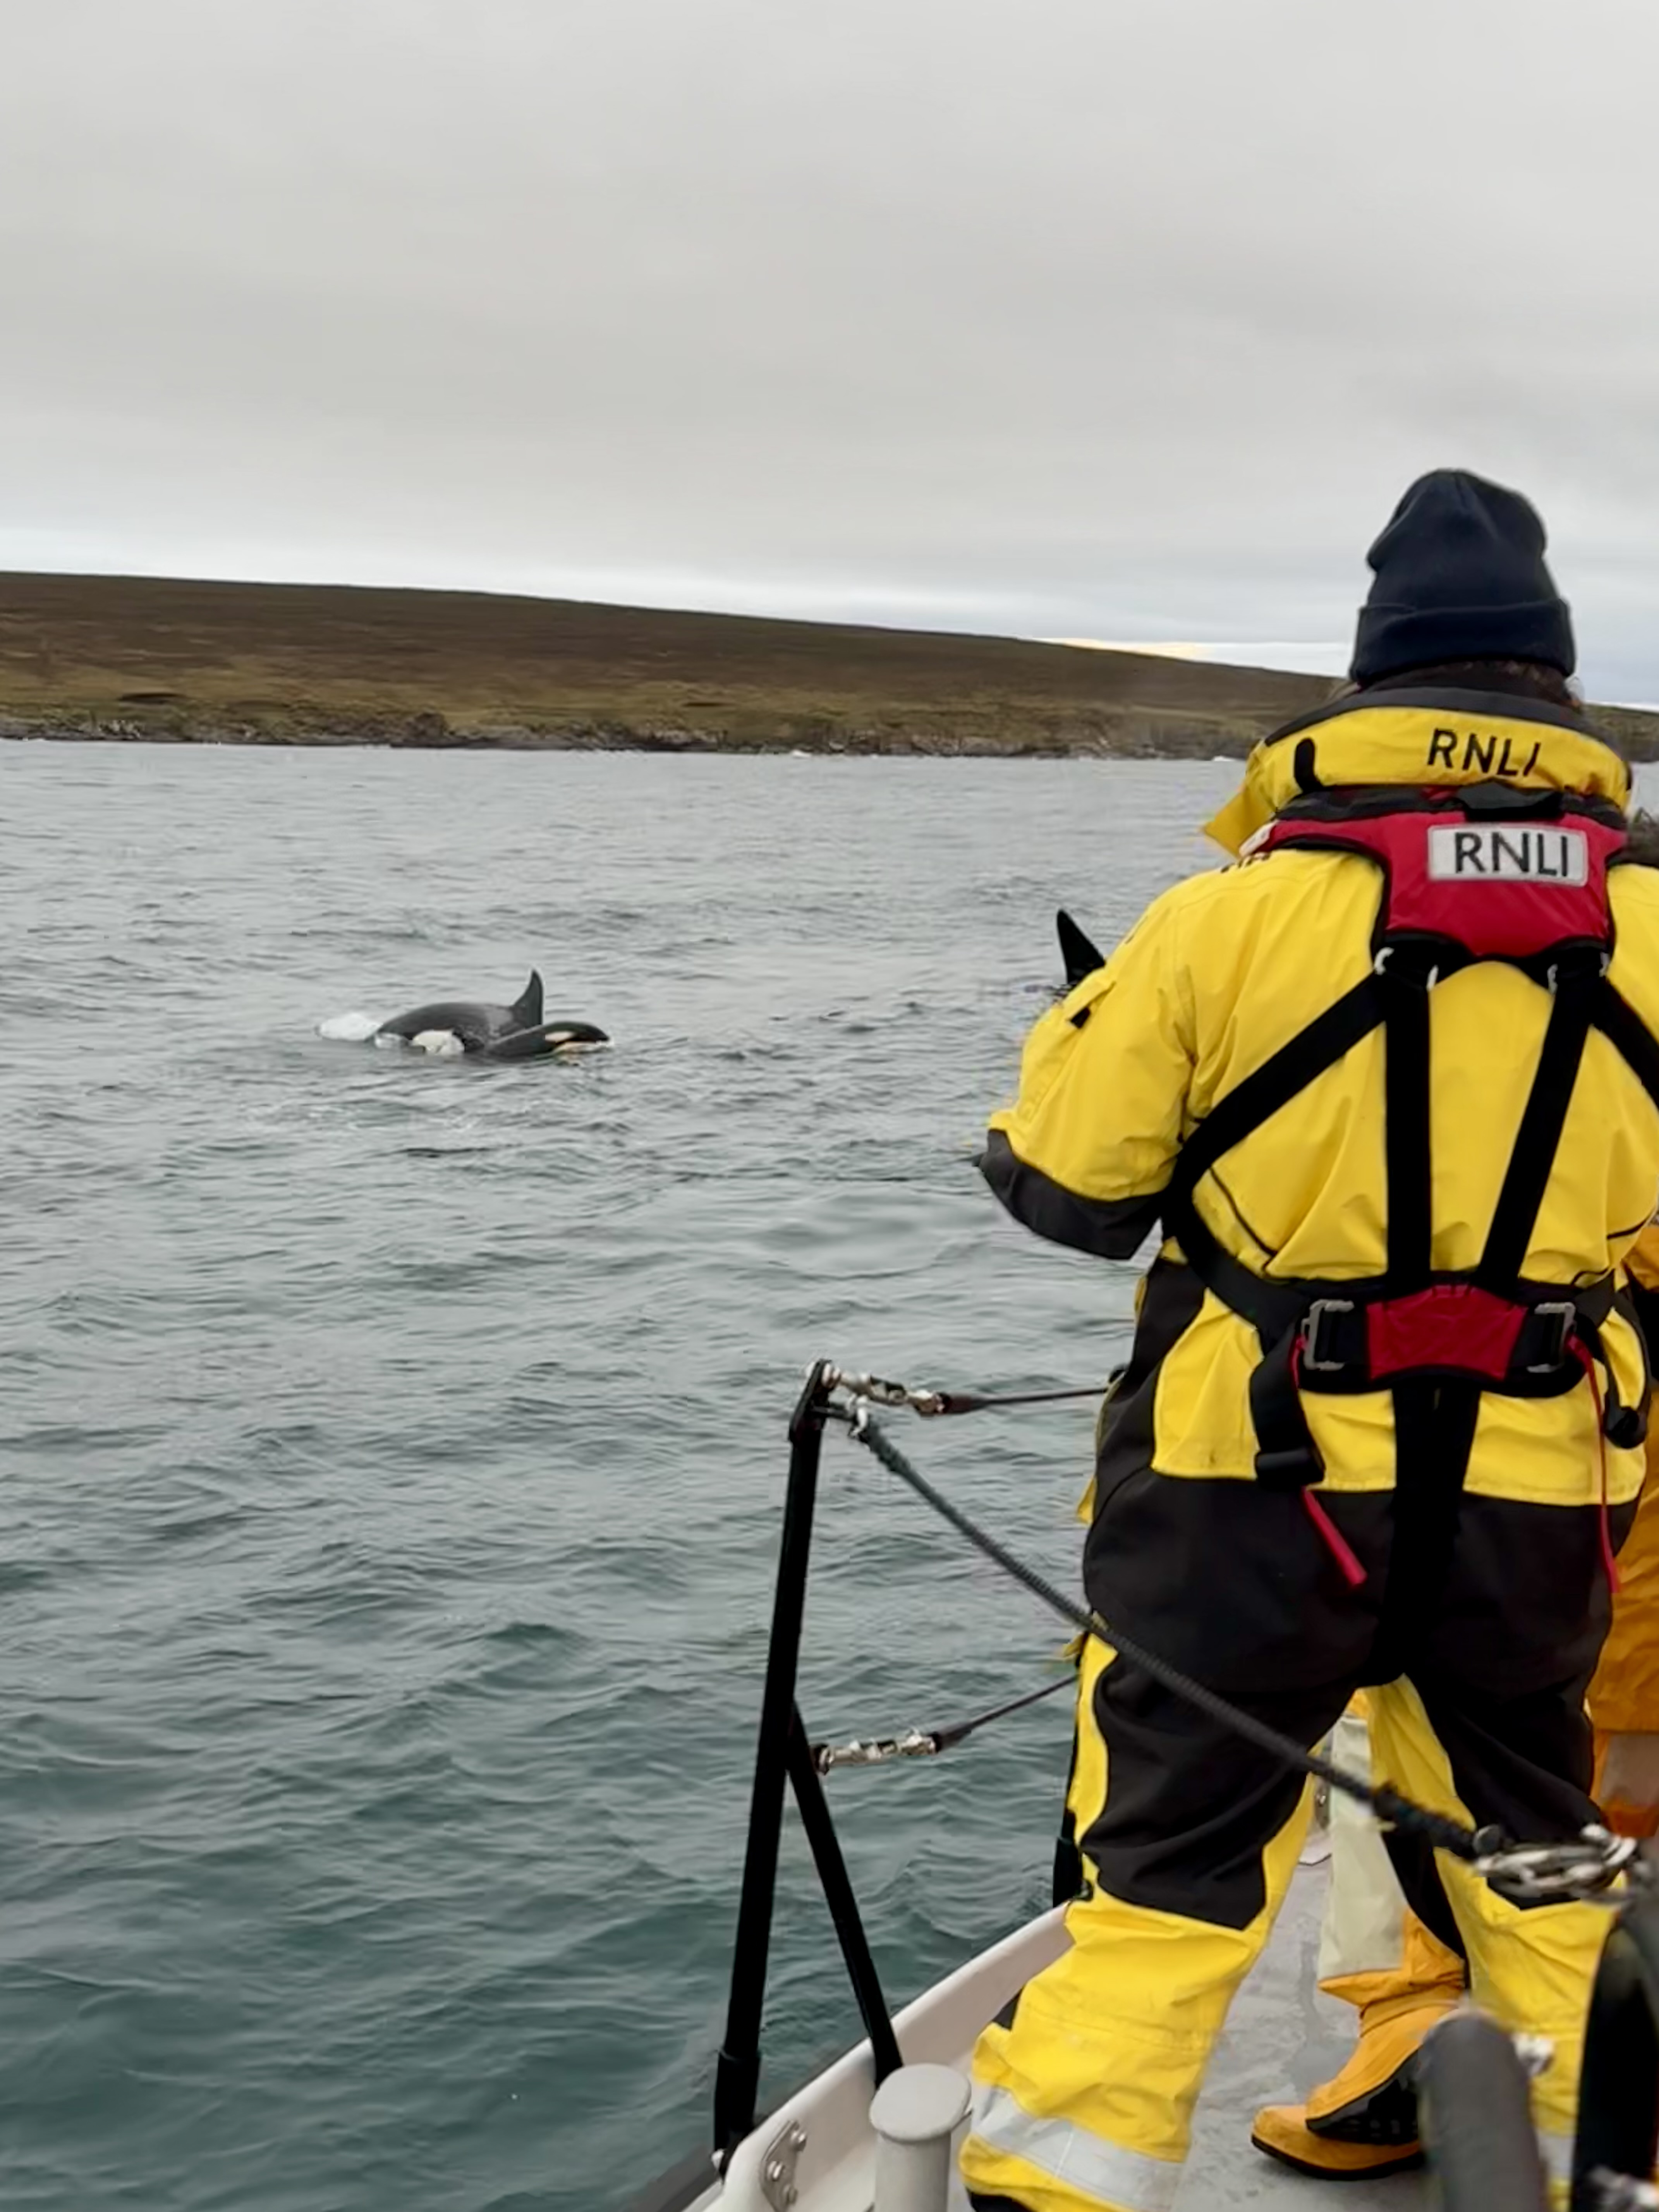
1618	2137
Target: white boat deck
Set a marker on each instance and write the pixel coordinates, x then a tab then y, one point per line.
1281	2038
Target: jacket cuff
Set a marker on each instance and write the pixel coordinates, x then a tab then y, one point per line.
1110	1228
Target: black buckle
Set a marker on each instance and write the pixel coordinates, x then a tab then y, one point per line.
1575	967
1417	963
1626	1428
1315	1351
1298	1468
1564	1316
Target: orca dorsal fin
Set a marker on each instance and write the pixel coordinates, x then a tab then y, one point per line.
1081	955
527	1009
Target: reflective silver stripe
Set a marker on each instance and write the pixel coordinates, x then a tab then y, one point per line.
1091	2165
1556	2151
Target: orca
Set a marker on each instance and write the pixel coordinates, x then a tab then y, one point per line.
1079	955
483	1032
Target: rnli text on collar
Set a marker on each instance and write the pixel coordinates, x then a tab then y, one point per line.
1477	752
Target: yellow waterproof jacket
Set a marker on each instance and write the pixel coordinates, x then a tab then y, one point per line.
1226	968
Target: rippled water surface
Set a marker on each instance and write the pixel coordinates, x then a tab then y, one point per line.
393	1445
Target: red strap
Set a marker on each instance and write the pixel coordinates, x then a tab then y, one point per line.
1451	1325
1335	1542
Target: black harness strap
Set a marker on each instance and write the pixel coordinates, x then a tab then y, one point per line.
1406	1131
1434	1424
1619	1023
1434	1416
1433	1434
1287	1457
1277	1081
1270	1307
1538	1140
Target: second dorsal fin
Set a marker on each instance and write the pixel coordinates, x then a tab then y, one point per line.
1080	955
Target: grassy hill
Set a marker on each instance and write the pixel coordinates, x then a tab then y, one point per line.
261	664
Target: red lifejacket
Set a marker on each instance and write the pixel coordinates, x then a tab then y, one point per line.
1471	878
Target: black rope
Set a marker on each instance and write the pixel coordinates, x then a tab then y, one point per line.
966	1401
945	1737
1386	1803
926	1743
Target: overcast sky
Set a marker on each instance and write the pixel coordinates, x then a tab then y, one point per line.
1115	318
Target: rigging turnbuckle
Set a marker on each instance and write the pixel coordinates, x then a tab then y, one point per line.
875	1751
1584	1870
881	1393
874	1390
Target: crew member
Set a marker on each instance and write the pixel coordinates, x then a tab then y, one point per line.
1389	1088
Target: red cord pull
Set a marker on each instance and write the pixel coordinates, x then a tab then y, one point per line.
1335	1542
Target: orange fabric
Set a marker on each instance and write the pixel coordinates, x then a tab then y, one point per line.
1624	1698
1642	1258
1624	1818
1282	2131
1428	1974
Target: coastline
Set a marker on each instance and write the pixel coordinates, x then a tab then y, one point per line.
1133	738
153	660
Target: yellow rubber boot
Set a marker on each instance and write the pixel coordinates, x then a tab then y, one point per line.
1363	2121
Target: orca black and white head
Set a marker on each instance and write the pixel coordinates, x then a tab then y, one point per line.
520	1031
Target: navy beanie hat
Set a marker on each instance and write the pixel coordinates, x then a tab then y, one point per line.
1461	575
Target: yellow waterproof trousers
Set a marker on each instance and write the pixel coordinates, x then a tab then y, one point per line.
1085	2087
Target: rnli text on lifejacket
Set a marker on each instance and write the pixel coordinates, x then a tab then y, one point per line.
1510	854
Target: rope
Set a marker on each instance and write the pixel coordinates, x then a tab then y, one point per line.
965	1402
945	1737
880	1392
925	1743
1386	1803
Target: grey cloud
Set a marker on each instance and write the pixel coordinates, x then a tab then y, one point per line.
1073	317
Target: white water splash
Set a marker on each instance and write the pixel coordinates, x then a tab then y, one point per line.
348	1029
